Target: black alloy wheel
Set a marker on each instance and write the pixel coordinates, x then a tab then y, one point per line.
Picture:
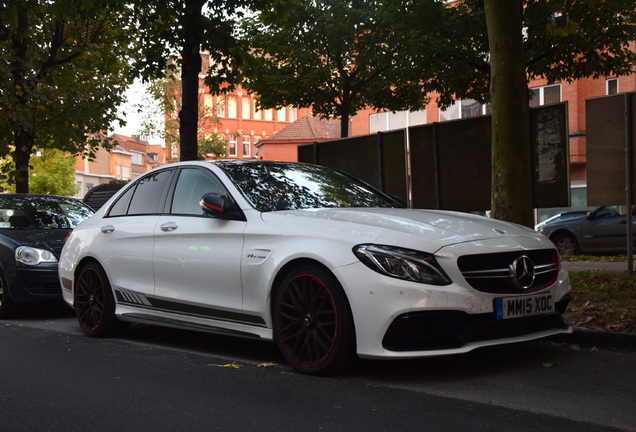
95	304
313	323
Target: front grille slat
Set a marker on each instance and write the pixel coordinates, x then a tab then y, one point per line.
494	273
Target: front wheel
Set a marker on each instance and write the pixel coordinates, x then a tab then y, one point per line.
566	244
313	323
95	304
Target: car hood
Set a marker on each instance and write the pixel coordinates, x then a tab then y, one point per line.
439	228
50	239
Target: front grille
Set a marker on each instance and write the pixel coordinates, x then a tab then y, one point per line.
494	273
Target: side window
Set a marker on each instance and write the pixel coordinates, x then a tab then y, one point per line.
148	194
192	185
121	205
145	197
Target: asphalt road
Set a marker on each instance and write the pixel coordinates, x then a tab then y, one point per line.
153	379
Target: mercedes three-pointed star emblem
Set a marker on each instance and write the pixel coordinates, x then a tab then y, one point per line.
523	272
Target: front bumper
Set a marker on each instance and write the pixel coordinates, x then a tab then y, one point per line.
439	330
399	319
35	283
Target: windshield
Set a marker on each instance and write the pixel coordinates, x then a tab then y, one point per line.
271	186
41	212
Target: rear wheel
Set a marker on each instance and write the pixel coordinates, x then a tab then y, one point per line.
313	324
7	306
95	304
566	244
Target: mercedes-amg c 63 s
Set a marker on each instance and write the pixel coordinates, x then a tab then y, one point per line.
311	258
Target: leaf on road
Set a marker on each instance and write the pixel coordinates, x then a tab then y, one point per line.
227	366
267	364
548	364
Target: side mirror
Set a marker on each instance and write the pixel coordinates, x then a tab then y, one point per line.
220	206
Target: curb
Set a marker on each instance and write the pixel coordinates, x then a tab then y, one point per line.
612	340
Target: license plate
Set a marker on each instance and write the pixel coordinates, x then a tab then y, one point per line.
522	306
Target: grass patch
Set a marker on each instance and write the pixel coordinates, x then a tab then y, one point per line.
594	258
603	300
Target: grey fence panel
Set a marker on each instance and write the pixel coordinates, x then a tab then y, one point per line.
450	162
606	148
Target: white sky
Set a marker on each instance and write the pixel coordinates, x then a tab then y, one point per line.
134	95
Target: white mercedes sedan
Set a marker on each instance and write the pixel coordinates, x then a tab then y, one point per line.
311	258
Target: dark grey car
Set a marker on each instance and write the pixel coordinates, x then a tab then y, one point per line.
32	232
600	231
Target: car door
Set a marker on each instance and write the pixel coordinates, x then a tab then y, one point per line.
197	258
126	242
606	231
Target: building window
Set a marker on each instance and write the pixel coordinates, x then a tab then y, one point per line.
611	86
292	114
464	108
208	102
247	146
385	121
232	148
246	108
280	115
125	173
545	95
269	116
137	159
220	107
232	110
257	114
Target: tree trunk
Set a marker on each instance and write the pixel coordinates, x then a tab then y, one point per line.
21	156
511	196
191	66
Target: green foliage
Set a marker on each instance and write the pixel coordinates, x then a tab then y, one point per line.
562	41
335	56
53	173
64	70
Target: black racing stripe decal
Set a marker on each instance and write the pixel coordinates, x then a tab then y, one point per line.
131	298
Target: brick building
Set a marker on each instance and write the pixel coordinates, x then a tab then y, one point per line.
129	158
282	146
242	124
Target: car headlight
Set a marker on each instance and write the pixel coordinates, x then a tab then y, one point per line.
402	263
32	256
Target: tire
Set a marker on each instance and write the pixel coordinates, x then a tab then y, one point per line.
95	304
313	323
566	244
8	307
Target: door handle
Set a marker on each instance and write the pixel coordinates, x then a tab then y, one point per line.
108	229
169	226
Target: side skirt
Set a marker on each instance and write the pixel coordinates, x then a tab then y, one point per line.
172	322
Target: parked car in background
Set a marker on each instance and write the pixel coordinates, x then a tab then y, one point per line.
560	217
100	194
600	231
32	233
309	257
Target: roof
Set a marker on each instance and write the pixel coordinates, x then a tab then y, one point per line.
307	128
